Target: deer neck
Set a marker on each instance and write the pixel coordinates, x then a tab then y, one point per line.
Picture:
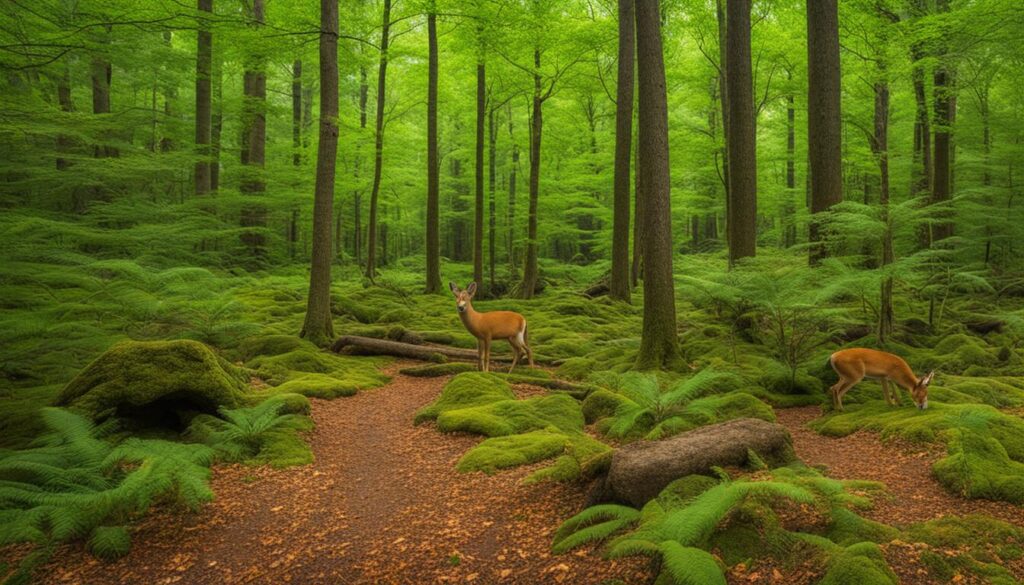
471	319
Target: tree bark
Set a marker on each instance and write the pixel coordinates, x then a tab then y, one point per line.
378	150
789	207
921	170
637	269
512	175
318	326
433	170
742	219
478	215
942	180
216	126
823	118
659	342
881	149
723	92
254	138
619	285
530	276
492	204
297	112
204	103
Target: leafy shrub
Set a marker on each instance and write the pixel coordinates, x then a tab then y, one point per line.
261	433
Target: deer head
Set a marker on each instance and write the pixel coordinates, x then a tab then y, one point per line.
462	297
920	391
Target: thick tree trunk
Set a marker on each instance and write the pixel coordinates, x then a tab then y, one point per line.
742	220
619	285
659	342
942	180
378	150
318	326
823	118
204	101
254	139
433	170
530	276
478	210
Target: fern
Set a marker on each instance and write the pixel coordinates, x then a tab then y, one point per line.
110	542
242	432
594	523
686	565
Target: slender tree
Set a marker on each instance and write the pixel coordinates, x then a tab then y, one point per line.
659	342
481	116
944	112
619	285
318	326
433	170
492	204
378	149
789	207
512	175
823	117
254	140
921	170
742	149
204	100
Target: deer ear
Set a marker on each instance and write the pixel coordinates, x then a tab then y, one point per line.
471	289
928	378
453	287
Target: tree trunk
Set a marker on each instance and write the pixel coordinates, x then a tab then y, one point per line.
921	170
742	219
512	174
530	276
433	170
637	269
478	215
357	196
941	182
723	92
318	326
659	342
789	207
204	104
619	285
64	142
880	146
823	118
217	124
378	150
297	113
254	138
491	186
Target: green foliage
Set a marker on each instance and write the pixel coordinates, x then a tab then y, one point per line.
314	373
686	565
859	564
264	433
75	484
595	523
466	390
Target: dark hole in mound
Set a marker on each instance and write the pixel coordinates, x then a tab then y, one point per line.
168	413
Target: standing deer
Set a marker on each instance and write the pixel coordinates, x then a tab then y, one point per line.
853	365
489	326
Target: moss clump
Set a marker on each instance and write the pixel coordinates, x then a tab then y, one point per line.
576	368
512	451
316	373
859	564
268	345
509	417
438	370
136	376
464	391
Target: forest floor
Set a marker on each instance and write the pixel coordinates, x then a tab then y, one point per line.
382	503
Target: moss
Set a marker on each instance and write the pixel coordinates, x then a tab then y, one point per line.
134	374
319	386
316	373
600	404
576	368
438	370
507	417
859	564
512	451
270	345
464	391
850	528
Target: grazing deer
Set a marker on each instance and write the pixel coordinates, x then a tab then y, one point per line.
489	326
853	365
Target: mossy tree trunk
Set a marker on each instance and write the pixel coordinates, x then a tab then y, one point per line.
433	171
318	326
824	129
378	149
741	139
659	343
619	285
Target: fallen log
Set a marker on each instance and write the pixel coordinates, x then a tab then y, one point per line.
639	471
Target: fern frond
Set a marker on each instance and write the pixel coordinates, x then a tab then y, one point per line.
594	523
690	566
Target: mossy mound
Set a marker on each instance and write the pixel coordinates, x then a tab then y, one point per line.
314	373
151	379
466	390
985	447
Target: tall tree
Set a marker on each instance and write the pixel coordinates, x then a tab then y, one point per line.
742	149
944	112
492	204
433	169
789	207
824	138
204	100
619	285
254	139
378	150
481	114
512	175
530	276
921	170
659	341
318	326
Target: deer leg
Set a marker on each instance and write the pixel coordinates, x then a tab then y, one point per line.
526	346
838	390
515	353
480	354
886	391
487	354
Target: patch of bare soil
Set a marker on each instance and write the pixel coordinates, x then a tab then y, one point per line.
381	504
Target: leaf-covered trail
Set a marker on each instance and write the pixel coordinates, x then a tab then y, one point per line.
382	503
913	494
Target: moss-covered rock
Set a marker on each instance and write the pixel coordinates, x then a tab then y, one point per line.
464	391
143	378
314	373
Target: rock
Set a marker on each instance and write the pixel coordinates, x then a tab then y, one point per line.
161	379
983	326
639	471
852	333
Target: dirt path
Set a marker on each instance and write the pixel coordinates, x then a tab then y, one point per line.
381	504
906	469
